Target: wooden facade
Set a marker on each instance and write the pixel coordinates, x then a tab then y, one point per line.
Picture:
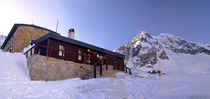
71	52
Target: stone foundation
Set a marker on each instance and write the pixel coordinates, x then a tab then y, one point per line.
49	69
110	72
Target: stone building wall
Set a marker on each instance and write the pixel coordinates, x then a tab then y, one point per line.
49	69
110	72
22	37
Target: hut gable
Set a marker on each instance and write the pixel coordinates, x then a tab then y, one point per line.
20	36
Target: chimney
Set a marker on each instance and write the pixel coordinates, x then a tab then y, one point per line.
71	33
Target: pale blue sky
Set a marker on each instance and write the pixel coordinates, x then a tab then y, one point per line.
111	23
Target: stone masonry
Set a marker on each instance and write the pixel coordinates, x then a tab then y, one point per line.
50	69
22	37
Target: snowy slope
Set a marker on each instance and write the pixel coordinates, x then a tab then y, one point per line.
2	38
187	77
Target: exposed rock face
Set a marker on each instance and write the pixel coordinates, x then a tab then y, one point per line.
142	50
145	50
2	38
22	37
179	45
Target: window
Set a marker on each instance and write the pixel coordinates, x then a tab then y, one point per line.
89	58
61	50
80	55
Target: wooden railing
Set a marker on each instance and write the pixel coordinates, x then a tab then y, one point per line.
54	52
70	56
30	52
127	70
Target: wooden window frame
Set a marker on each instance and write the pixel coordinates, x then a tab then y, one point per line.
79	55
61	51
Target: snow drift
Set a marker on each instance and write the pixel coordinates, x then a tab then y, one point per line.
186	77
2	38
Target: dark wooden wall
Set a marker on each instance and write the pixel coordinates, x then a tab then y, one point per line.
71	53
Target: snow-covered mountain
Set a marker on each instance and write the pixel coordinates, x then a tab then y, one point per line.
179	45
2	38
142	50
146	50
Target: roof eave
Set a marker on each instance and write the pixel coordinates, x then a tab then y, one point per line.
75	42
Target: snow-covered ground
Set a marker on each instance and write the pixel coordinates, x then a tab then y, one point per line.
187	77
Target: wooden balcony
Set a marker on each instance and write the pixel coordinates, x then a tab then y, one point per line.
70	56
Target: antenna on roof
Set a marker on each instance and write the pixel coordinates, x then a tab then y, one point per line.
57	26
32	22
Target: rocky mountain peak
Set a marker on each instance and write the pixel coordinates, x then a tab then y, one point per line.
141	37
179	45
144	50
143	34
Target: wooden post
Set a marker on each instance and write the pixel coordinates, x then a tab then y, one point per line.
106	65
31	51
48	44
35	50
27	54
94	71
50	51
117	66
121	66
106	61
101	67
114	65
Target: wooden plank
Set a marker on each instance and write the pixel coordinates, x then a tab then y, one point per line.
106	64
101	68
30	51
27	54
94	71
50	48
48	45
